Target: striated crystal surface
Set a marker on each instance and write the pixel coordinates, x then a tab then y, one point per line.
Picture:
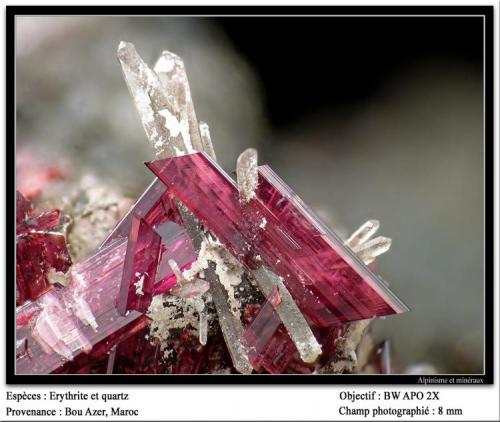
89	310
31	281
102	358
328	282
139	272
294	258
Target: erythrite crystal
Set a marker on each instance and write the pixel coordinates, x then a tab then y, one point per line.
139	272
288	312
217	248
328	282
154	238
268	344
39	250
91	309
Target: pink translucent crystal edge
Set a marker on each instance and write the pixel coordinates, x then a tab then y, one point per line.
337	243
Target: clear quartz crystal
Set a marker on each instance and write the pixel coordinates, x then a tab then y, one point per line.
203	327
163	114
206	140
370	249
172	73
231	327
365	232
293	320
246	173
287	310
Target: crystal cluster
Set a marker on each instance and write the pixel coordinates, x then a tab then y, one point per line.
204	274
41	252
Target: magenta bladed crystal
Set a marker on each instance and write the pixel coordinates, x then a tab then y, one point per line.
328	282
139	272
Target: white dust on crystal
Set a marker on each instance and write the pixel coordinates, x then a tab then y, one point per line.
139	284
164	64
178	151
227	268
58	277
176	127
204	130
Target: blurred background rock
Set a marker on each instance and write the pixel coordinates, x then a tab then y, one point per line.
363	117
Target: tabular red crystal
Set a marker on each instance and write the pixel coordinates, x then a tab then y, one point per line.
139	272
155	235
328	282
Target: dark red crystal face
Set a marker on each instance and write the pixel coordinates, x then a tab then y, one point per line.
39	250
327	281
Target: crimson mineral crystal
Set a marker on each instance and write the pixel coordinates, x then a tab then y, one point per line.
182	249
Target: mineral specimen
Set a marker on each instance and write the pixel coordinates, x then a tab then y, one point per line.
202	275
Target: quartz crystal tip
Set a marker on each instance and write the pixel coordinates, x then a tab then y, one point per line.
162	103
247	175
365	232
123	48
